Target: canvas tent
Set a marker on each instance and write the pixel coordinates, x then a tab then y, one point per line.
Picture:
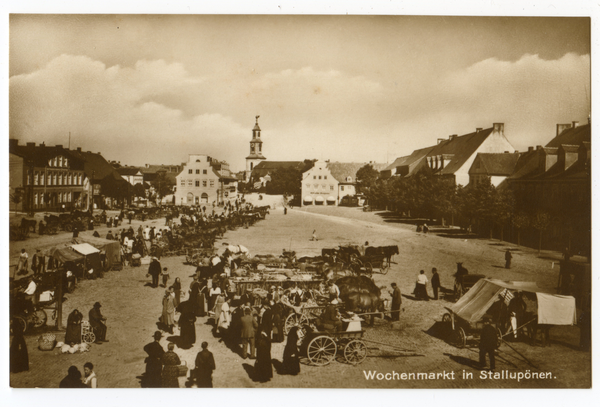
75	249
552	309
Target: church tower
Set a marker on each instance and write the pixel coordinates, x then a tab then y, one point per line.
255	150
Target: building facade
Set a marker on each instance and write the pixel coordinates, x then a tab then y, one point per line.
131	174
319	186
44	178
203	181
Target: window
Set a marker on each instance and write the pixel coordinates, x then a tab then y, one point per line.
204	183
325	177
28	179
197	184
60	179
66	163
182	182
212	182
204	172
316	186
331	187
60	161
197	172
35	199
59	197
190	172
42	178
55	179
314	177
41	199
319	177
36	178
190	182
69	196
342	188
55	161
324	186
49	179
80	183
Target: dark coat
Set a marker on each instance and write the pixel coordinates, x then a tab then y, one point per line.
19	358
489	338
153	364
291	360
155	268
266	322
73	333
396	297
263	368
249	326
205	364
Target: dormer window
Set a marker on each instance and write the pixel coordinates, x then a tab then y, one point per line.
349	179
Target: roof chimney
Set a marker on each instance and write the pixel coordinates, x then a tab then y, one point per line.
30	145
59	146
440	140
506	152
575	124
499	128
13	142
562	127
79	149
453	136
478	129
538	147
530	149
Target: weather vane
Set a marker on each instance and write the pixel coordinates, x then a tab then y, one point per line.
257	118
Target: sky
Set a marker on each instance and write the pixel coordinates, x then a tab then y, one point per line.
155	88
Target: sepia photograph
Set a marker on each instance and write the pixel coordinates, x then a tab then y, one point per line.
299	201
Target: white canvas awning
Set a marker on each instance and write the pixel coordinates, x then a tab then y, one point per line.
308	198
85	249
319	199
330	199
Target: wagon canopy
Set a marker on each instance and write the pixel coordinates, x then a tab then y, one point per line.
553	309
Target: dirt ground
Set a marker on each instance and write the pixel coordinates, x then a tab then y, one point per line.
133	308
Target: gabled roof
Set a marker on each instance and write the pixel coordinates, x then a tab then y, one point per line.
268	167
96	166
41	154
341	171
498	163
128	171
573	136
461	148
528	165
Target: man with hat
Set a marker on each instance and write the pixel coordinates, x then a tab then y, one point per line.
38	263
331	320
97	323
487	343
154	269
152	377
396	302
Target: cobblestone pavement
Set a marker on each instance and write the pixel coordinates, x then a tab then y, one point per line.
133	308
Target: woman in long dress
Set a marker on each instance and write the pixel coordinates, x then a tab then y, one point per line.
168	313
217	308
224	320
177	291
73	332
277	324
170	372
291	361
187	327
263	368
19	358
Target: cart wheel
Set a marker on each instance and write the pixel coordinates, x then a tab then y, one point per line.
68	227
385	266
499	333
88	338
355	352
39	318
321	350
459	338
22	321
369	268
295	320
447	318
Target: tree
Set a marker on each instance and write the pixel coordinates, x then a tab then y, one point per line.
520	220
139	190
503	208
541	222
366	177
285	181
163	185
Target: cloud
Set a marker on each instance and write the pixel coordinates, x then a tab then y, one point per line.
157	112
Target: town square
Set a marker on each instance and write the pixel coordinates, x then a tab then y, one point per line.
245	201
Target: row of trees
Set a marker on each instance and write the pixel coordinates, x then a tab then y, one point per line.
482	208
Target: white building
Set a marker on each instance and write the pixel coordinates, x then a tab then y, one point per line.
205	180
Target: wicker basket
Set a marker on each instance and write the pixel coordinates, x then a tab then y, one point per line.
183	369
47	342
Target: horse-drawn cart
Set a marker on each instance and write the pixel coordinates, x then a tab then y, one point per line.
322	347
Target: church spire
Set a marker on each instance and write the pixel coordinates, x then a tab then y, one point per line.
255	156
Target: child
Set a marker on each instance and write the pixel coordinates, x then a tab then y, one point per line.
165	277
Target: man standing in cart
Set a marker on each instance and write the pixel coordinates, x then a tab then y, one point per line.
487	344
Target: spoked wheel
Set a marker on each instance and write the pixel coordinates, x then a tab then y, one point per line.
459	338
369	268
293	320
88	337
355	352
321	350
39	318
21	321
